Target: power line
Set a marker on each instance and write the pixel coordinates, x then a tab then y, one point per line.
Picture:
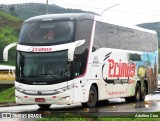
102	2
125	5
104	8
140	8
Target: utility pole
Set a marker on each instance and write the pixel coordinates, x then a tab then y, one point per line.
47	7
108	8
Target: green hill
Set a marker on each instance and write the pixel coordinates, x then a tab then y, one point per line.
9	31
28	10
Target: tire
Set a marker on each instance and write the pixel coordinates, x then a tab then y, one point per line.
129	99
44	106
143	92
93	98
102	102
137	95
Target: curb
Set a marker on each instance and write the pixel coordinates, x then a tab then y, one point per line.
7	104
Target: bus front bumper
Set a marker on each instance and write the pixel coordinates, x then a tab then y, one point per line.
59	99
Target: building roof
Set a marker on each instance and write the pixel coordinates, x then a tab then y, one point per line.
6	67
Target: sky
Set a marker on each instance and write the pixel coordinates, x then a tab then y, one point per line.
130	12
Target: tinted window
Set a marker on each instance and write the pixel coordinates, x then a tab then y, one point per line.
154	42
100	35
133	40
84	30
46	32
105	36
123	41
47	67
113	36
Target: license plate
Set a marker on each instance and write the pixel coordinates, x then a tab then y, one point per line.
39	100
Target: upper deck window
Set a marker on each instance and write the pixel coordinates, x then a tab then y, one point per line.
46	32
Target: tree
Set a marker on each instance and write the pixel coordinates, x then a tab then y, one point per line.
1	6
12	10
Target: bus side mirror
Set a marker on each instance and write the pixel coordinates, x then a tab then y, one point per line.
6	49
72	48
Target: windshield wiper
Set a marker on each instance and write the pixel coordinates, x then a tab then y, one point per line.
22	78
32	76
44	74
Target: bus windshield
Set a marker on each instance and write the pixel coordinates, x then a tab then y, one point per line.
49	68
46	32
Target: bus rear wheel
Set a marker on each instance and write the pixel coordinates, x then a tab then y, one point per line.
93	97
44	106
143	92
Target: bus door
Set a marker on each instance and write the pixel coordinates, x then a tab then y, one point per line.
79	81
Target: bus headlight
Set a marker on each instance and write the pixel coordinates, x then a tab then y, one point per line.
19	89
67	98
65	88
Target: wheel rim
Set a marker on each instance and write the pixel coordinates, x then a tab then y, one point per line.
92	97
144	91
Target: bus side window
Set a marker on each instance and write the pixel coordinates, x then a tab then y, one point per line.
80	63
77	66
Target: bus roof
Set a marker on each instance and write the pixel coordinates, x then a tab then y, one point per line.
6	67
81	16
64	16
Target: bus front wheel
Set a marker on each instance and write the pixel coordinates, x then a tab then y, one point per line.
44	106
93	97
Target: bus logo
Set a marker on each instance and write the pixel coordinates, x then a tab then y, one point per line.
113	68
36	49
119	69
39	92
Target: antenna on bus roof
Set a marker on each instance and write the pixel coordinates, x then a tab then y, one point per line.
109	8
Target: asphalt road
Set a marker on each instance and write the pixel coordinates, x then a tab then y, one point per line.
113	106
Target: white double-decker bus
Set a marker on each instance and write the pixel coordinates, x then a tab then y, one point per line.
87	61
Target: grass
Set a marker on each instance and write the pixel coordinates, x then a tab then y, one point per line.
128	119
8	95
9	17
8	34
132	117
78	117
68	117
